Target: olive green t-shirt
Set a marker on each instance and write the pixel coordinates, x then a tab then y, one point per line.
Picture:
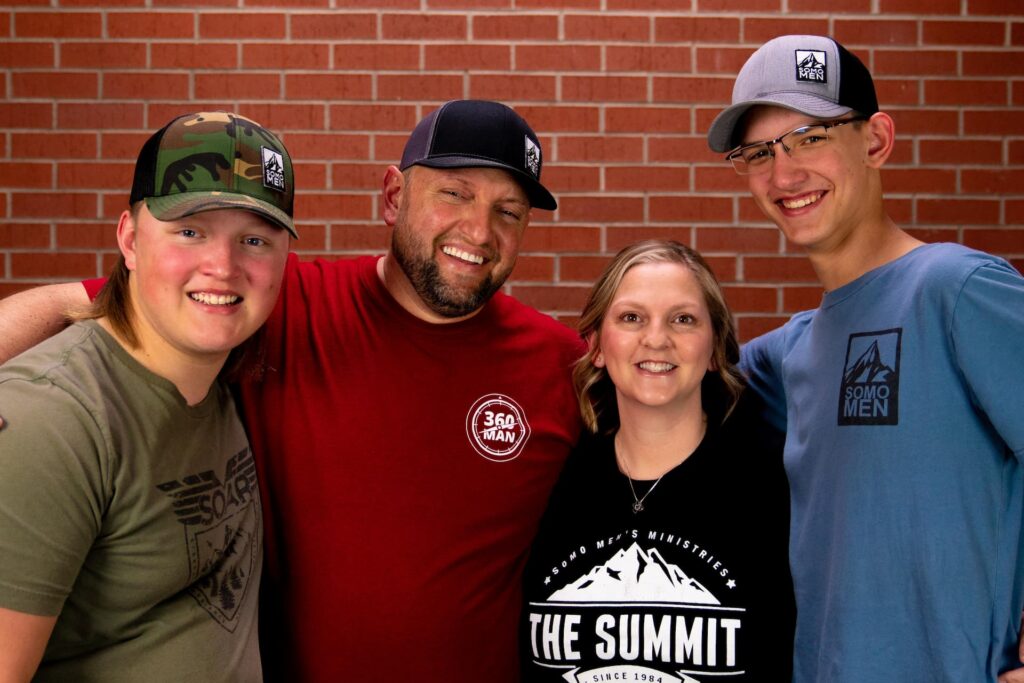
130	514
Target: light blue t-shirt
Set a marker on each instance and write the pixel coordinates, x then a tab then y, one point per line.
903	400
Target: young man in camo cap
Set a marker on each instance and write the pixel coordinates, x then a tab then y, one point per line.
130	521
900	393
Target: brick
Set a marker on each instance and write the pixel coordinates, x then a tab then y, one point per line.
1015	211
999	63
55	85
721	60
934	234
898	92
475	4
125	146
581	268
396	117
759	30
329	206
693	89
427	87
743	240
420	26
26	55
330	146
376	57
388	148
553	4
234	85
957	211
53	265
101	116
1001	181
149	85
918	7
23	174
659	119
875	32
690	209
966	92
919	180
751	299
643	58
962	33
328	86
188	4
561	238
924	121
693	148
151	25
740	5
619	237
600	148
53	145
552	297
562	178
105	55
333	26
550	118
603	209
696	30
797	298
647	178
112	204
510	87
1000	241
1017	33
310	175
241	25
286	56
719	178
514	28
531	268
94	175
914	62
86	236
562	58
1016	152
606	28
283	118
62	24
281	4
1006	7
777	269
49	204
357	176
360	237
604	88
25	235
187	55
992	123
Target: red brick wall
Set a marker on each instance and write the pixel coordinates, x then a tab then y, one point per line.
621	92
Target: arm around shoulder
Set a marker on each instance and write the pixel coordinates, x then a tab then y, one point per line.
31	316
23	639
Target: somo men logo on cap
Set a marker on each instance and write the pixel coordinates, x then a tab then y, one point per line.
810	66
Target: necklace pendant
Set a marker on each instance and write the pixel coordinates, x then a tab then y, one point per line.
638	507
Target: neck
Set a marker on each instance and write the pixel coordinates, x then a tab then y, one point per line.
650	443
870	247
193	377
402	291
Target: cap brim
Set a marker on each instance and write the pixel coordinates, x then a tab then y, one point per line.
723	128
175	206
537	194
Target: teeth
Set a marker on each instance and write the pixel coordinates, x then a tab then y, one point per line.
463	255
800	203
214	299
651	366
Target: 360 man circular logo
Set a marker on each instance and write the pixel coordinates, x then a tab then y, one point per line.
497	427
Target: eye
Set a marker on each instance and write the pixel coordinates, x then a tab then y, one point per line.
254	241
757	154
510	214
684	319
188	232
810	137
629	317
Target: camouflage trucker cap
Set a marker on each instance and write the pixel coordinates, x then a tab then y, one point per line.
215	160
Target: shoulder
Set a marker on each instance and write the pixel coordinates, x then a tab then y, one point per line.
514	317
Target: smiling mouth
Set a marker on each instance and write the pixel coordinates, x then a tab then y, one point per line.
214	299
463	255
802	202
652	366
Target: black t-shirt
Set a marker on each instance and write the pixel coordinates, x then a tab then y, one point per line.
696	587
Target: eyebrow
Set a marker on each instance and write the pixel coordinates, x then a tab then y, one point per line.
450	174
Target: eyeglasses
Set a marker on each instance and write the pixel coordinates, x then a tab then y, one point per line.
801	143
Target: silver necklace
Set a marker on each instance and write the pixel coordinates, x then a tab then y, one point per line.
638	503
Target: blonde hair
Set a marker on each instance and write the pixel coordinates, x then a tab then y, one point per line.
594	388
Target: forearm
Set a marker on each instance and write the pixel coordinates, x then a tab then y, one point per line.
29	317
22	642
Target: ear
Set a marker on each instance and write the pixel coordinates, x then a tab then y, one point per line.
596	357
880	132
126	238
391	194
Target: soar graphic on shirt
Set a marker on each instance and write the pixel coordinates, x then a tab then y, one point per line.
640	606
221	519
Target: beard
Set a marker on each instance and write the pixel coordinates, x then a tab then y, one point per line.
417	261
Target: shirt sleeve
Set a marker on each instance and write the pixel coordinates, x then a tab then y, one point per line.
51	494
987	335
761	362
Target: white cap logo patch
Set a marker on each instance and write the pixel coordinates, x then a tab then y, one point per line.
810	66
532	160
497	427
273	169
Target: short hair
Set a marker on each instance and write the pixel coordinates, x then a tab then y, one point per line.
114	302
594	389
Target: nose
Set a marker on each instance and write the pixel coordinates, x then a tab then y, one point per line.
477	226
220	258
784	171
655	335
